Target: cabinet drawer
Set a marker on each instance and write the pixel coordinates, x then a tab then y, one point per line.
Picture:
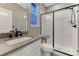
26	50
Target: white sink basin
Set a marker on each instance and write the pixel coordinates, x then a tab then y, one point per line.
18	40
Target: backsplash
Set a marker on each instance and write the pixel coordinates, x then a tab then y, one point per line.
3	35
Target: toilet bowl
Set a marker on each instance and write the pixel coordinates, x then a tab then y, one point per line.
46	49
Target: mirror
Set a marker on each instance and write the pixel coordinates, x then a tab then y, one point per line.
12	16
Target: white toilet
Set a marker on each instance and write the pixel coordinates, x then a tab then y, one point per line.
46	49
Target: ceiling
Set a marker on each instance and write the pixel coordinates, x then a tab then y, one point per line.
23	5
46	5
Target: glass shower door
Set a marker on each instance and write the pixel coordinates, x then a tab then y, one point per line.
65	34
47	26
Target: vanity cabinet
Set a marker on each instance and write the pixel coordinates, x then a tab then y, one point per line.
32	49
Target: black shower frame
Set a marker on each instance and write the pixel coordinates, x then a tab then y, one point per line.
54	25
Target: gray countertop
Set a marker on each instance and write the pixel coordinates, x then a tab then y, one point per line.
5	48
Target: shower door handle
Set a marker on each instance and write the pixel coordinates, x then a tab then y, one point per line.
74	26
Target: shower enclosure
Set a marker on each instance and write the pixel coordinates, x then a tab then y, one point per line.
62	27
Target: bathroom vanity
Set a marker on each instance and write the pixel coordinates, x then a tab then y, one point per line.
27	47
32	49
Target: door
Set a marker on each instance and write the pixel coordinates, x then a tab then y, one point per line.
65	32
47	26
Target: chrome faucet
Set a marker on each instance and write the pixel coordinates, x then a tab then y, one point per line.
12	32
